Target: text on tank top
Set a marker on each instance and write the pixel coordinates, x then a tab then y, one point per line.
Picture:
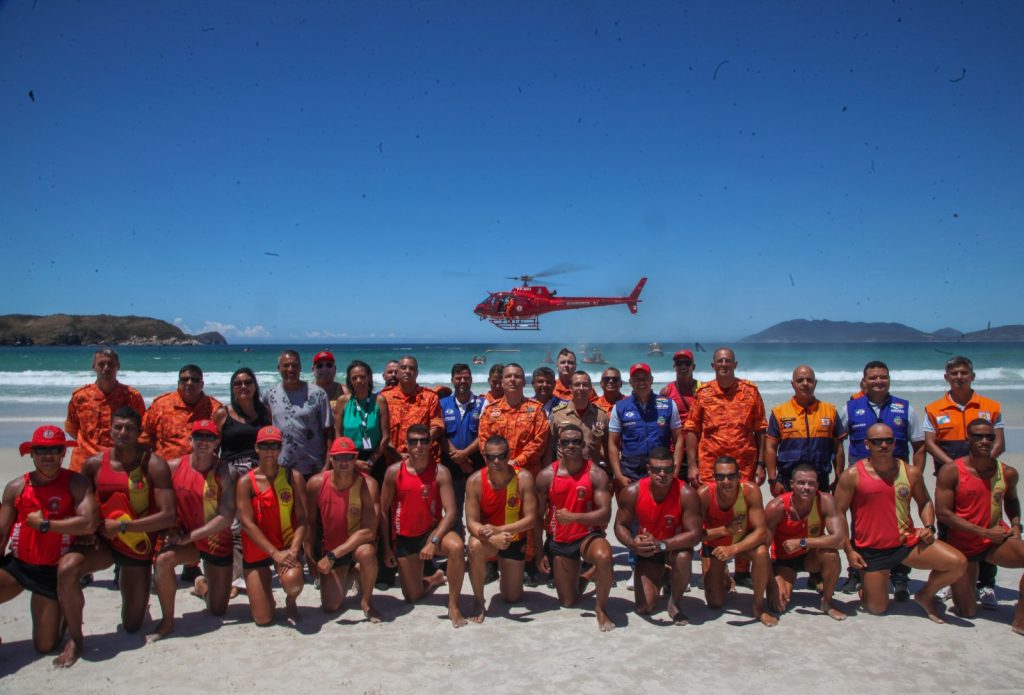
55	500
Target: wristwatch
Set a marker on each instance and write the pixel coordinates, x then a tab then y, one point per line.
762	464
331	556
122	527
803	542
772	481
44	526
436	540
662	547
930	527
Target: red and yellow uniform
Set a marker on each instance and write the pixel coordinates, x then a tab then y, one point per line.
716	516
979	502
881	511
196	500
660	519
421	408
949	421
273	510
55	500
417	506
125	496
501	507
167	425
788	529
574	493
341	511
525	426
725	422
89	414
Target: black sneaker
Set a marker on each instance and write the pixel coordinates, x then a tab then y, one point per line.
852	585
744	579
900	591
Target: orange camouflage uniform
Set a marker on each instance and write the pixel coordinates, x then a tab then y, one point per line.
167	425
89	414
421	408
725	423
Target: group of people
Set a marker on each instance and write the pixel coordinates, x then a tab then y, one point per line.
353	486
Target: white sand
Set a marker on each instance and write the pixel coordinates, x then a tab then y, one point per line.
536	648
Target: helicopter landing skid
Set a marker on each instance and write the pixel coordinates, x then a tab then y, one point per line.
524	324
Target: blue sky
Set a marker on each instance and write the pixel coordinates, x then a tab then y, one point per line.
401	158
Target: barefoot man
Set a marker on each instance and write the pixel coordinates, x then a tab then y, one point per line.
807	531
970	496
667	514
136	500
273	517
501	509
578	506
415	491
204	496
734	526
342	502
878	490
41	510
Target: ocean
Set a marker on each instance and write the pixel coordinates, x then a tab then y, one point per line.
36	383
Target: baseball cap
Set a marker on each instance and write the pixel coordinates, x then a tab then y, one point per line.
269	434
205	426
639	367
683	354
47	435
343	445
323	356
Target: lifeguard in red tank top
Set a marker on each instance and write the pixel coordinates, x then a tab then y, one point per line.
979	502
56	502
341	511
501	507
273	510
417	507
126	496
197	498
574	493
716	516
790	528
881	511
660	519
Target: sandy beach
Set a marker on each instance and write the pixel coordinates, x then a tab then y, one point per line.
531	647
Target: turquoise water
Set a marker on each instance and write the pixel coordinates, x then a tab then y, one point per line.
36	383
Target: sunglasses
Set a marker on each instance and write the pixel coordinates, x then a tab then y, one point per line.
879	441
661	470
343	457
983	437
611	379
496	457
324	365
243	382
269	446
721	477
683	363
47	450
204	437
418	441
570	442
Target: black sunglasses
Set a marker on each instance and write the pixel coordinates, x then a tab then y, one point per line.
570	442
879	441
726	476
983	437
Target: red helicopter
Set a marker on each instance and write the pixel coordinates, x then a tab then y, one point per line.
519	309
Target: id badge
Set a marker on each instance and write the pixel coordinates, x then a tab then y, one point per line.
366	443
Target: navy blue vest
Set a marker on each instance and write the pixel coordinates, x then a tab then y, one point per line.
461	430
895	413
644	428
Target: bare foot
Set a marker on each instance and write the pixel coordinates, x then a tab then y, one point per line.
675	615
456	617
431	583
604	623
201	587
69	655
234	592
767	619
371	614
477	612
832	611
928	604
291	609
163	628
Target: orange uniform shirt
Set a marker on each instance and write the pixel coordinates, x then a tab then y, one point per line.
604	404
725	423
89	414
949	421
564	393
524	426
421	408
167	425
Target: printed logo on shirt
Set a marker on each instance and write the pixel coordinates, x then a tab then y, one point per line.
512	502
897	420
630	413
670	521
449	411
997	497
942	420
896	407
903	491
787	425
859	411
826	421
985	415
424	491
53	504
581	492
286	496
661	421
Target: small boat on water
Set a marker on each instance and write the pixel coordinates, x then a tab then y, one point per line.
595	357
479	359
654	350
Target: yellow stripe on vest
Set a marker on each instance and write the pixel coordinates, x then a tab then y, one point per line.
513	504
814	519
355	505
901	491
739	513
285	502
138	491
998	490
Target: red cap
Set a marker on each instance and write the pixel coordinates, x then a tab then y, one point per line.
639	367
683	353
205	426
322	356
343	445
47	435
269	434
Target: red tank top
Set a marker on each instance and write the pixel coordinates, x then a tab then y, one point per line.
56	502
574	493
501	507
273	510
881	511
789	528
197	497
341	511
716	516
417	506
661	519
683	403
979	502
126	496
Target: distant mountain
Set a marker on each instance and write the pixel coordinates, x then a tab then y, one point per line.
99	329
824	331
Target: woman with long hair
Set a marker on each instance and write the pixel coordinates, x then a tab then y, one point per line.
362	416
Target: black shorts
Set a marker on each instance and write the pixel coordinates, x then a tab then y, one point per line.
39	579
265	562
410	545
879	559
343	561
216	560
659	558
122	560
707	550
980	557
515	551
797	564
572	550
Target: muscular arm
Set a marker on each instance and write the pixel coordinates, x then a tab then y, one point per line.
840	458
163	495
624	516
772	516
615	453
601	514
925	509
472	506
771	465
689	535
8	513
301	527
692	461
447	492
387	497
541	488
917	458
837	532
755	514
679	449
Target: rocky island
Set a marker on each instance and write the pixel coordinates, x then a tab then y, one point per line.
97	329
825	331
